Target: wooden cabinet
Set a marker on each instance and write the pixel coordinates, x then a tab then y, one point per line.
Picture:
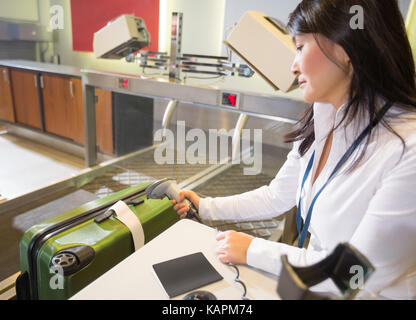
26	97
62	106
6	98
104	121
55	95
53	103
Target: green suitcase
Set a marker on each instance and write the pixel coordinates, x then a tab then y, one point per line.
62	255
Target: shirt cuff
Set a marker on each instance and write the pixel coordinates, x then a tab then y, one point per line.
204	206
264	254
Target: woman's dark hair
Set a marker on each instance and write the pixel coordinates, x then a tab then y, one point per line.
380	54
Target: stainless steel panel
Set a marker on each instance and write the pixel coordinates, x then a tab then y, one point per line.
17	50
273	106
24	32
88	98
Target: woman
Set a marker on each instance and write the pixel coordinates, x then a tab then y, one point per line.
360	82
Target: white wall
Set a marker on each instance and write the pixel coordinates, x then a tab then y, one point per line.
24	10
202	25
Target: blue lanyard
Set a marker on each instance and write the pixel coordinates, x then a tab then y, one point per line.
303	233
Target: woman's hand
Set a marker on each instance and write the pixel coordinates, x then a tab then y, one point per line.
232	247
182	208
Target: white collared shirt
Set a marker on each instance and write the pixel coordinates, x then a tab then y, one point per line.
373	208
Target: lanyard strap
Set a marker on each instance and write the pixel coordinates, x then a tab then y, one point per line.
303	231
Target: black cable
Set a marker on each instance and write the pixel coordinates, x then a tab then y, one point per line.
238	280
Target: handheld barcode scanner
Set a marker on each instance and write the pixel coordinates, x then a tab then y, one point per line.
167	187
345	266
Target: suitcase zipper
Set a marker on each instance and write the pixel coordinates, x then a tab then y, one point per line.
40	238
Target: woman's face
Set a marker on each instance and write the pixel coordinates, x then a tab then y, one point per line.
320	79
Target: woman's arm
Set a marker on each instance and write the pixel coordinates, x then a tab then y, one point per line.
263	203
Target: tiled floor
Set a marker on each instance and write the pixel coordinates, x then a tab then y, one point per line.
26	166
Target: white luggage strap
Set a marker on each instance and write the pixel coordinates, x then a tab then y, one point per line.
125	215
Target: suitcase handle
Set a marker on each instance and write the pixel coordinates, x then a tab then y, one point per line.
104	216
111	212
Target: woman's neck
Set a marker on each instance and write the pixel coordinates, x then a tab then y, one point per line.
339	101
